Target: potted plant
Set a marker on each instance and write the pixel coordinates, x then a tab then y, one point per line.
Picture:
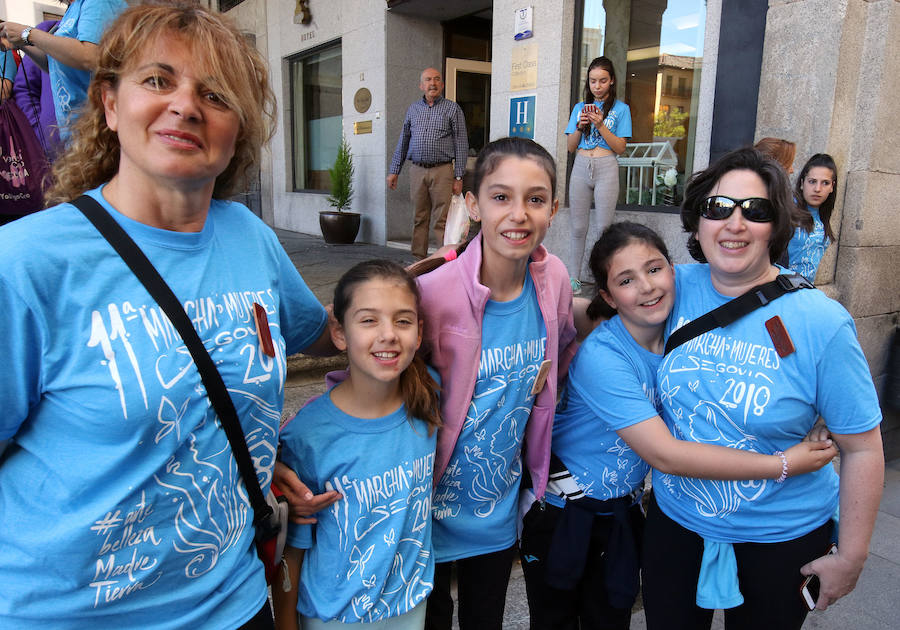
338	226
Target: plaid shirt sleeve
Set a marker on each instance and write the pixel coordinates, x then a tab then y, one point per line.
433	134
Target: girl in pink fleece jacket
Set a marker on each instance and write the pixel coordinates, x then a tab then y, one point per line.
499	330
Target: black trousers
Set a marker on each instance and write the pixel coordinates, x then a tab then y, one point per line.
263	620
768	574
587	606
481	583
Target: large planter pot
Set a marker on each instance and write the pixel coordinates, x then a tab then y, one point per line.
339	228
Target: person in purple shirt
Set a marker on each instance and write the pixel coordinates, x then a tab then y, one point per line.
34	97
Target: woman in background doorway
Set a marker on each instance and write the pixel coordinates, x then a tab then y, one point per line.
598	130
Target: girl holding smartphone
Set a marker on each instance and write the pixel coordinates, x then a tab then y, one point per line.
598	129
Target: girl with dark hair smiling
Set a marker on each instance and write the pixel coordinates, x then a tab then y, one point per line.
607	433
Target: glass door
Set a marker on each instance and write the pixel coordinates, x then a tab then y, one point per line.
469	84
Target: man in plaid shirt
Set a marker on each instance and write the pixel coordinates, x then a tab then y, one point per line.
434	134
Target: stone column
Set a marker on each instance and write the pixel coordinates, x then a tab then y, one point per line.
618	24
830	82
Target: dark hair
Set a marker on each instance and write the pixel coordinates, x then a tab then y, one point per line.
418	389
746	159
826	161
604	63
614	238
488	160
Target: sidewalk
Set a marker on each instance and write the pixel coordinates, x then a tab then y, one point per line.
871	606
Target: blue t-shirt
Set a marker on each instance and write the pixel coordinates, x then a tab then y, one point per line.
84	20
618	121
8	66
120	501
729	387
805	249
611	386
372	557
476	502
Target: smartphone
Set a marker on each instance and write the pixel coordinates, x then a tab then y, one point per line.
809	590
590	107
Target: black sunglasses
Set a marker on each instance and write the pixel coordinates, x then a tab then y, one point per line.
754	209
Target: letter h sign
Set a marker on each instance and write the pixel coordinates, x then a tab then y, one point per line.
521	116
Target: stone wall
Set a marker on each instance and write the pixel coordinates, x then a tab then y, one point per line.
830	80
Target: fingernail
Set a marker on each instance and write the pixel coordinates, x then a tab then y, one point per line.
308	496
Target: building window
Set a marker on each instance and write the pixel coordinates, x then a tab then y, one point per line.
657	51
316	115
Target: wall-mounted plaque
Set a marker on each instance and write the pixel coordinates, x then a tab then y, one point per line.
362	100
363	126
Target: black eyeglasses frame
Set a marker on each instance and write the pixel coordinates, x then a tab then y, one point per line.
755	209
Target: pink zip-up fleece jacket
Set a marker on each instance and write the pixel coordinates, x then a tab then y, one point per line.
453	302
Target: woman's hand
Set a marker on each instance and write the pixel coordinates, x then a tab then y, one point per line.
837	575
862	481
303	502
595	117
583	120
808	457
12	35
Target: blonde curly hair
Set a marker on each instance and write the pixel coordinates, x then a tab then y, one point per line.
236	69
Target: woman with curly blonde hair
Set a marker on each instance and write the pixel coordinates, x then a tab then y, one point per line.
120	500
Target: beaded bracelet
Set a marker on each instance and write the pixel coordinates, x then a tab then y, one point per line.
784	466
450	255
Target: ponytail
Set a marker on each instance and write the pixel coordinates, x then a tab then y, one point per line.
419	392
427	265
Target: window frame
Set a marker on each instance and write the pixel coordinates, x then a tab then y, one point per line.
290	60
577	87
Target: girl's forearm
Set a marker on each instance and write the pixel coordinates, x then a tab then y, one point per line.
615	143
652	440
285	600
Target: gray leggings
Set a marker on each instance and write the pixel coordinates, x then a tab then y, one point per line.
597	178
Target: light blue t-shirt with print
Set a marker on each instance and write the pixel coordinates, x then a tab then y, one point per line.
369	555
611	386
729	387
476	501
84	20
121	505
805	249
618	121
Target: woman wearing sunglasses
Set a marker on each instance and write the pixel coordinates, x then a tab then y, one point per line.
746	546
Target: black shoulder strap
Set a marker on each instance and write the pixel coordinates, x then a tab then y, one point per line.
738	307
209	374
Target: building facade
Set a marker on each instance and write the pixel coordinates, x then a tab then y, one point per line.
701	77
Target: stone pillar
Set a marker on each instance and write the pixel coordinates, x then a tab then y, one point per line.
411	44
830	80
553	27
618	24
554	24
